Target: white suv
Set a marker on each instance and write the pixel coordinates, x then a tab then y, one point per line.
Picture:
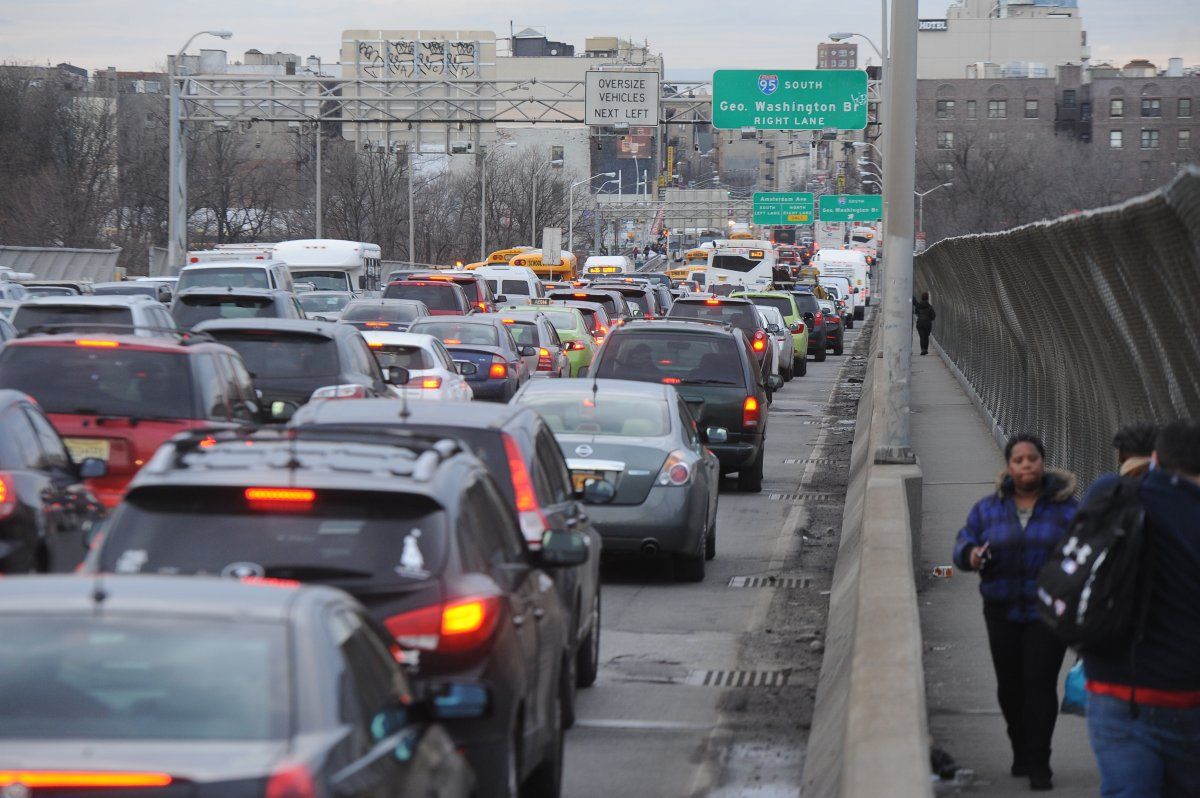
432	372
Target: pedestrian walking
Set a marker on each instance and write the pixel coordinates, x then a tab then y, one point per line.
1007	538
925	314
1135	445
1143	710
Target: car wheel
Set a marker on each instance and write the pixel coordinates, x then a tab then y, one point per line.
690	567
819	355
588	664
801	364
546	780
570	685
750	479
839	347
790	373
850	322
512	779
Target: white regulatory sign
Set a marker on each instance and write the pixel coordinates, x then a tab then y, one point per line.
614	98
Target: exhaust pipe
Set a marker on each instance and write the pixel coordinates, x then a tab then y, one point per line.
650	547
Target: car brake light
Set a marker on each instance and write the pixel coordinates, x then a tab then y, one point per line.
458	625
430	383
529	512
544	362
280	499
375	344
818	318
796	326
271	581
96	344
573	346
348	391
8	495
671	380
581	296
712	301
498	370
291	781
59	779
482	306
379	324
509	321
675	471
750	412
760	341
451	341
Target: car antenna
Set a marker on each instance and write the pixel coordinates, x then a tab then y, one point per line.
99	594
293	462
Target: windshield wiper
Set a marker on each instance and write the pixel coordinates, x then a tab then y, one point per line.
306	571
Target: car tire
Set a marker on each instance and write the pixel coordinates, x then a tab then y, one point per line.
690	567
569	688
819	355
546	779
587	663
801	364
850	322
750	479
710	541
840	347
790	374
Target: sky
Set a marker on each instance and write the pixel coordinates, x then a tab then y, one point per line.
694	37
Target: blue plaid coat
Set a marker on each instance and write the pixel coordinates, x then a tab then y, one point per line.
1008	581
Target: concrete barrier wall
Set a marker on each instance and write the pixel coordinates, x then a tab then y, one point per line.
869	735
62	263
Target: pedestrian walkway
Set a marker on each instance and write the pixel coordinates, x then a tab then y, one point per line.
960	461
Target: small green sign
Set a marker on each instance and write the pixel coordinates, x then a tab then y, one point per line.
789	99
851	208
783	207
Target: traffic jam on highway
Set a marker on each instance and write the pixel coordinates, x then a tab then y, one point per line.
288	526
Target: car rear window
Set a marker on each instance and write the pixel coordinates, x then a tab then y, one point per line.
456	332
277	356
113	677
739	314
782	304
525	332
236	276
564	321
378	312
348	538
126	290
610	304
606	415
191	310
409	357
671	357
27	317
807	303
326	302
734	263
332	280
86	380
435	297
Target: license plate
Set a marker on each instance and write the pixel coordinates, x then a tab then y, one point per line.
579	479
82	448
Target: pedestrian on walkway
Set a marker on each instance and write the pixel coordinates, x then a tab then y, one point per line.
1135	444
925	314
1007	539
1143	708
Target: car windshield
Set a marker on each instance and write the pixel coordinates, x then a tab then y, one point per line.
671	357
734	263
275	356
76	316
219	277
409	357
782	304
350	538
638	417
435	297
332	280
381	311
455	332
113	677
327	302
100	380
191	310
739	314
525	332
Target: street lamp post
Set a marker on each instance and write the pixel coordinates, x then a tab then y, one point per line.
177	157
571	207
921	204
533	204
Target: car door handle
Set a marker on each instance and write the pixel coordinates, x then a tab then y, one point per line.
518	620
538	613
572	523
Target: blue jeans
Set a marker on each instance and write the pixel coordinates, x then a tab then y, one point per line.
1155	754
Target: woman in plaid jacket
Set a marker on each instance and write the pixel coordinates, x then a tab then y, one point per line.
1008	537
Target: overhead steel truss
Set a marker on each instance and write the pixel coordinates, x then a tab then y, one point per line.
237	99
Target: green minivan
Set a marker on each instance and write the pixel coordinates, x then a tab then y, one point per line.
786	305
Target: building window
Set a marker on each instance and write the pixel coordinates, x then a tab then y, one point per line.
556	152
1185	139
1149	139
945	109
1068	98
1185	107
997	109
972	113
1116	108
1031	109
945	140
1115	138
1151	107
1085	111
153	87
945	170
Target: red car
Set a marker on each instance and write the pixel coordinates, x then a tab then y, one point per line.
443	298
478	291
117	398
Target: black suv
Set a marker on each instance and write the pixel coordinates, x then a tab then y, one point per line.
715	371
411	525
521	452
742	314
289	359
195	305
382	315
642	298
814	319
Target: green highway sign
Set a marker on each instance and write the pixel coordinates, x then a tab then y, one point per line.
783	207
789	99
851	208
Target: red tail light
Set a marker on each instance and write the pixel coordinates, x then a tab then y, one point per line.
458	625
544	361
347	391
529	512
760	341
60	779
818	319
429	383
291	781
750	412
280	499
573	346
498	370
97	343
8	495
796	326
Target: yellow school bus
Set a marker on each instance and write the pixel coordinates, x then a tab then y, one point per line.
568	269
499	256
696	257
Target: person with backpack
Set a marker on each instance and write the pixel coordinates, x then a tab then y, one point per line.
925	314
1007	539
1143	710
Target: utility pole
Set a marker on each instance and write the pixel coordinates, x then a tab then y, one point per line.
412	250
900	157
482	203
317	130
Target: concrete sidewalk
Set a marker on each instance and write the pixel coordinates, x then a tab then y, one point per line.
960	461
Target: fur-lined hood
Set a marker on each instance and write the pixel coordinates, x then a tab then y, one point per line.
1058	485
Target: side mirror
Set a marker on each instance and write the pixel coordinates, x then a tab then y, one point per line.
395	375
528	351
598	491
466	367
282	410
716	435
563	549
774	382
92	468
458	700
501	298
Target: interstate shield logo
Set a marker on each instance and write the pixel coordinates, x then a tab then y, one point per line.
767	84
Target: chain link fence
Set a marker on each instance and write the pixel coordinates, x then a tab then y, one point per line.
1070	328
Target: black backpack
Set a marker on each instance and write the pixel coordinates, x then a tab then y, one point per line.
1094	588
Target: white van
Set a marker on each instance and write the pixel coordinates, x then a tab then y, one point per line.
236	274
600	265
850	264
517	284
332	264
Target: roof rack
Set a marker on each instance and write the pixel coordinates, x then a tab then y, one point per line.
185	337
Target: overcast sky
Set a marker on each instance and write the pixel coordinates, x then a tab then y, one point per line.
695	36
